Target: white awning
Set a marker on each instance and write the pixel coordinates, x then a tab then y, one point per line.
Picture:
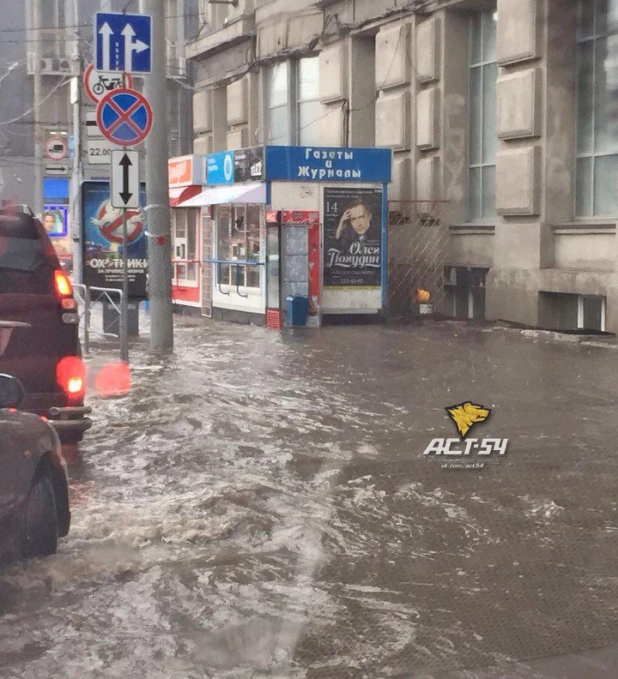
229	194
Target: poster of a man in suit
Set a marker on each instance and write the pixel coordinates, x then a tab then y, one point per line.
352	237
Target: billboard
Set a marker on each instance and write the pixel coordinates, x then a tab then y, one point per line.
102	240
352	237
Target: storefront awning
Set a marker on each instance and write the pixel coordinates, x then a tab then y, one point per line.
182	193
235	193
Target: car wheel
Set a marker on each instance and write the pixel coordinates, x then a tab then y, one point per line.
39	529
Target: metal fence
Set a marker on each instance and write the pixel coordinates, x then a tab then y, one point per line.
93	323
417	252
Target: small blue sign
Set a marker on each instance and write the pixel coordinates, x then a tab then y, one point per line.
123	42
220	168
124	117
328	164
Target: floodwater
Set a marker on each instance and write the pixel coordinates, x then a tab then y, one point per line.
260	506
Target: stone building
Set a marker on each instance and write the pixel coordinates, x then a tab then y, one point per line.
504	109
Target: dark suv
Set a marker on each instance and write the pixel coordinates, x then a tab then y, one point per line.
43	351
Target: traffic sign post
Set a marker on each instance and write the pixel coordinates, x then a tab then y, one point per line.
124	117
125	194
123	42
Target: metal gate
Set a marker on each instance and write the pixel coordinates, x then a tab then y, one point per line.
417	251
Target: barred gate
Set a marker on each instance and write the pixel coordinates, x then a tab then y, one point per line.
417	251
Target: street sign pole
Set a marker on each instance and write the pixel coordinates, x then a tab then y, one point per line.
124	309
123	44
157	189
124	306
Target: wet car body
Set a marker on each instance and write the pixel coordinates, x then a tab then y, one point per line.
36	296
30	453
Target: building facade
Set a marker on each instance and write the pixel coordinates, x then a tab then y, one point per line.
504	109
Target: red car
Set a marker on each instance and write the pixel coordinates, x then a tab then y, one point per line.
43	350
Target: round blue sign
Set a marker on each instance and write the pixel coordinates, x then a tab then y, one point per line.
124	117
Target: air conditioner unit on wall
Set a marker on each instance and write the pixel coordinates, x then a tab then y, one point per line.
51	65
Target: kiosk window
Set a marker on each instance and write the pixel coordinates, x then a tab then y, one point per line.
238	239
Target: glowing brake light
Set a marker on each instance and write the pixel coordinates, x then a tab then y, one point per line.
62	284
71	375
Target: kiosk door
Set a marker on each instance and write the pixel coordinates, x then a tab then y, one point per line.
295	263
273	286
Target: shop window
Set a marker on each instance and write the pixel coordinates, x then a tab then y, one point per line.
483	137
597	106
185	226
465	292
238	239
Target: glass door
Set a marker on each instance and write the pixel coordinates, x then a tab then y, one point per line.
272	268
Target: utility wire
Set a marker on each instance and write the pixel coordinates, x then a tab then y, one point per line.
34	108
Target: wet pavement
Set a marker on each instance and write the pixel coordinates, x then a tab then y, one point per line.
260	506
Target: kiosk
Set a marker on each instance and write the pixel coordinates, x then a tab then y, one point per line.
289	221
186	174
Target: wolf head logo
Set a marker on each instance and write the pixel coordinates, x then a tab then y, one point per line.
466	415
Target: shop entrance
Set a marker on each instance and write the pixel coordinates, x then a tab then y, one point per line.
293	268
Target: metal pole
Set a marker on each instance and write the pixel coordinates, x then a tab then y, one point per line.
157	188
124	302
76	189
87	318
37	96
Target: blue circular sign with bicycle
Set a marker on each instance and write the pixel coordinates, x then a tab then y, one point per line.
124	117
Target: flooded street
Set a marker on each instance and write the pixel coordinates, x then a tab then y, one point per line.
260	506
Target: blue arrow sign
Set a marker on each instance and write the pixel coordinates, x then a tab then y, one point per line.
123	42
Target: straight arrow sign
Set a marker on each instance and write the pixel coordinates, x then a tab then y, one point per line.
125	179
106	32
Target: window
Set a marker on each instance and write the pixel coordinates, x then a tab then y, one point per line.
279	123
465	292
309	105
483	138
597	112
185	245
238	239
573	312
288	82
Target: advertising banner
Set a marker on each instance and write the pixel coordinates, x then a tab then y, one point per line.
352	237
249	165
103	241
56	223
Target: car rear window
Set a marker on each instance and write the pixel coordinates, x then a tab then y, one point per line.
27	259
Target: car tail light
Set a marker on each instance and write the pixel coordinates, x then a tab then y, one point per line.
62	284
69	304
71	376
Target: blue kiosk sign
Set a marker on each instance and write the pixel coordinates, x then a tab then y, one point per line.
307	163
327	164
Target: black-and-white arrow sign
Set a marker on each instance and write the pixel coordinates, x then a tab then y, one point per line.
125	179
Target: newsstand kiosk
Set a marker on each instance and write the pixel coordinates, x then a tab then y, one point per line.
291	233
326	230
